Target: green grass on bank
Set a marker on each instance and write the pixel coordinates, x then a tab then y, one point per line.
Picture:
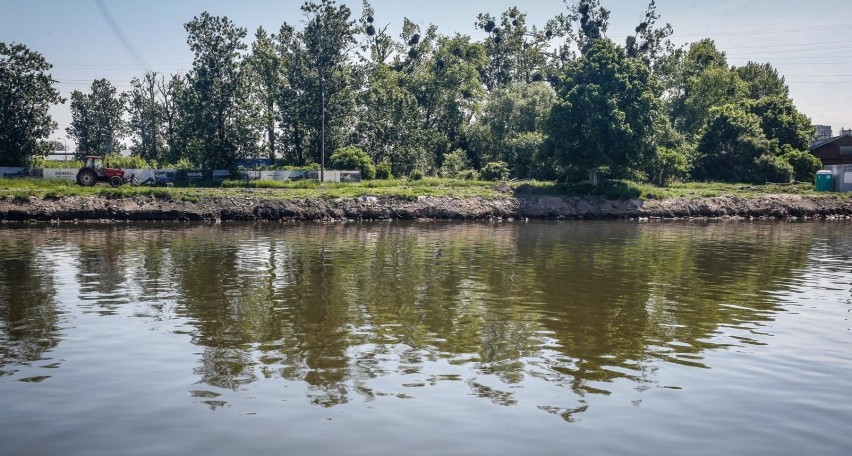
403	188
629	189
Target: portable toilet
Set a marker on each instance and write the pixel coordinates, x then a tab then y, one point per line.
824	181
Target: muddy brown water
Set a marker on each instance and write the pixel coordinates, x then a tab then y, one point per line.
427	338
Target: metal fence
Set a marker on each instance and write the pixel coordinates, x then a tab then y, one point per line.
187	175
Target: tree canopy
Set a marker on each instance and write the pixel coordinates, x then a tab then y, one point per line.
26	94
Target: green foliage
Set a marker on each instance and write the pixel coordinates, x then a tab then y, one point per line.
147	117
781	121
391	128
666	166
805	165
762	80
384	170
494	171
183	163
605	117
215	121
711	88
416	174
26	94
769	168
455	164
351	157
96	123
41	162
510	126
729	146
132	162
517	53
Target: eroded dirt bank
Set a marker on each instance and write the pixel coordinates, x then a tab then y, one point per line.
77	208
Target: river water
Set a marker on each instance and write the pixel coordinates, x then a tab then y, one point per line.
426	338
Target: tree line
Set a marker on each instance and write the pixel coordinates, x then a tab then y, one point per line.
558	100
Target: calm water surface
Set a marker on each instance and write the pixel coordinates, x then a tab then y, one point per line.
464	338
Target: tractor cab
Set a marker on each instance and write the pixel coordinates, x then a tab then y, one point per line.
95	163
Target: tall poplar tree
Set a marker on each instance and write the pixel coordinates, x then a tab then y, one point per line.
96	123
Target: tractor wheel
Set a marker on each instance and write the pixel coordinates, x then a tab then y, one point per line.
116	181
87	178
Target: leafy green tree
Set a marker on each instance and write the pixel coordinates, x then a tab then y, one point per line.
26	94
96	119
781	121
805	165
447	87
146	124
171	91
516	52
701	80
213	126
296	100
263	67
730	146
351	157
605	116
762	80
509	127
389	122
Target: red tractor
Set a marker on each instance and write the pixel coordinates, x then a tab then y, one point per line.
93	170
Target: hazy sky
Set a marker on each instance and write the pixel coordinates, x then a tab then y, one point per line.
89	39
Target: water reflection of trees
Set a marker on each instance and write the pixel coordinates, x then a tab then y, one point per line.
579	306
29	319
344	308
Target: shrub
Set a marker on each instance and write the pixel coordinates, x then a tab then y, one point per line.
416	174
132	162
183	163
469	174
351	157
495	171
455	163
769	168
666	166
41	162
805	165
384	170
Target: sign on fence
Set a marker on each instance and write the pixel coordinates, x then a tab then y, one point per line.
60	173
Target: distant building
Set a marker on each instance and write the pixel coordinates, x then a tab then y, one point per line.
844	131
823	132
834	151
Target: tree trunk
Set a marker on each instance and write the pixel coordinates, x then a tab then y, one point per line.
593	176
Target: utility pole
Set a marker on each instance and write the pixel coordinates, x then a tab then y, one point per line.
64	147
322	139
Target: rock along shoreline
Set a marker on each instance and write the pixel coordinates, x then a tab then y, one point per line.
256	208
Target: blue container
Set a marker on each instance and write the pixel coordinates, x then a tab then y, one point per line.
824	181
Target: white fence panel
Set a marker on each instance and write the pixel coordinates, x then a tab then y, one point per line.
60	173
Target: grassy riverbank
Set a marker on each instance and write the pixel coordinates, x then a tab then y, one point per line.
404	188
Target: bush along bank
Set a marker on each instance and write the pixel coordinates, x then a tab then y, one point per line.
256	208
